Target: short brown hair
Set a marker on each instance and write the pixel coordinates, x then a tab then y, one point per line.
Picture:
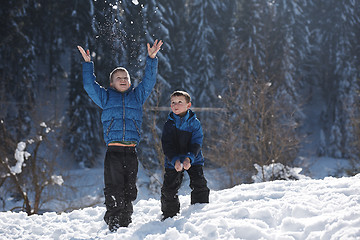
118	69
181	93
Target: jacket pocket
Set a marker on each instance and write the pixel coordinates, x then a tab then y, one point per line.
137	129
109	127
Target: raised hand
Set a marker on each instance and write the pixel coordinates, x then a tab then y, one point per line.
85	55
152	51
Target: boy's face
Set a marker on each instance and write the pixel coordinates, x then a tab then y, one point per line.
120	81
179	105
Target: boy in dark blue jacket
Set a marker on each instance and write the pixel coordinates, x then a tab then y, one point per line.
181	142
121	119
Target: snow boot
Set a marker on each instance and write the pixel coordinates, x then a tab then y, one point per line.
166	216
115	222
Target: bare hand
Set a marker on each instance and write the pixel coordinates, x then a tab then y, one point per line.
152	51
178	166
187	164
85	55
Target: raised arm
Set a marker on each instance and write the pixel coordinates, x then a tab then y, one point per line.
143	90
93	89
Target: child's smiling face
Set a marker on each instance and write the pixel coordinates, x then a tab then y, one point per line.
179	105
120	81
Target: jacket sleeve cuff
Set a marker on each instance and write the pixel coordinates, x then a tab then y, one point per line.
173	160
88	66
191	156
148	58
152	62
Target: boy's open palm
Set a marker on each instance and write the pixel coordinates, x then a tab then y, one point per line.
85	55
152	51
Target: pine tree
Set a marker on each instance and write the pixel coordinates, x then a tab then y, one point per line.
175	24
84	136
157	20
203	45
290	29
333	26
346	71
17	68
260	99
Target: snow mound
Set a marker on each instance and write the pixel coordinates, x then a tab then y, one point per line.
304	209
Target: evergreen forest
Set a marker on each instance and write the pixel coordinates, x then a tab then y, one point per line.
270	80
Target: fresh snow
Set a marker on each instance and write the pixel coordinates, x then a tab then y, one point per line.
326	209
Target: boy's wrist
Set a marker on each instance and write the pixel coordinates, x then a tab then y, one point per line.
190	156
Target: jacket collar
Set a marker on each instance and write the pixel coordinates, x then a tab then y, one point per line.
189	114
129	89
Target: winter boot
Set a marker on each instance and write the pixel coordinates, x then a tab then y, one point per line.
167	215
113	223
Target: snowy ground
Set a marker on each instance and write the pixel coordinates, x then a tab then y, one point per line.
304	209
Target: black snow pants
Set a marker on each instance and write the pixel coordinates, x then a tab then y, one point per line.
120	173
170	204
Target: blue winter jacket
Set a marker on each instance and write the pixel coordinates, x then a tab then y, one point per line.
122	112
182	137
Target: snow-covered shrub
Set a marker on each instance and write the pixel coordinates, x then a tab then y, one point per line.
30	173
276	171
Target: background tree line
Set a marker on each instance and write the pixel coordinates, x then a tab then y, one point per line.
261	61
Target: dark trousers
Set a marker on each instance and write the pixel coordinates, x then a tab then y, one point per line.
170	204
120	173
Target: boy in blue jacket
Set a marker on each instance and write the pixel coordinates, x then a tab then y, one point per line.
121	119
181	142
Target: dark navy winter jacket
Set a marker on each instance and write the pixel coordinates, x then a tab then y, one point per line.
182	137
122	112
